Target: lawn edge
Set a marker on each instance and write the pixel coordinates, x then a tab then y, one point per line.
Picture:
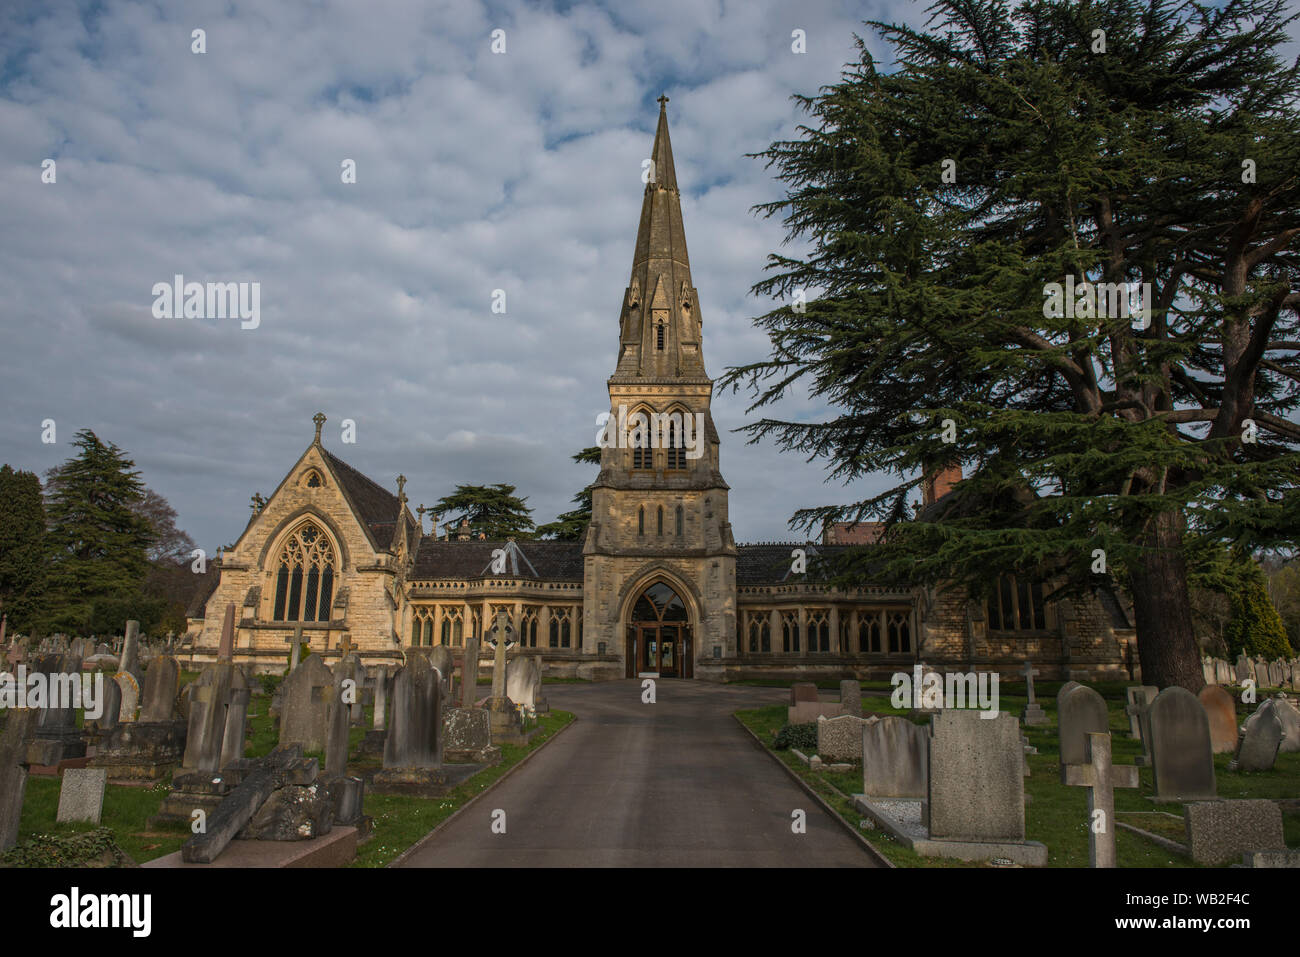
488	790
839	818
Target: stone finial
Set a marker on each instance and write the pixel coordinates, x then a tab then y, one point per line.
663	103
401	488
319	419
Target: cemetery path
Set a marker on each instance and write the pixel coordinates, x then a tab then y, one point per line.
677	783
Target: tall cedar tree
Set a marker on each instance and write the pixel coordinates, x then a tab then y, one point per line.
22	547
1171	158
572	526
98	542
493	510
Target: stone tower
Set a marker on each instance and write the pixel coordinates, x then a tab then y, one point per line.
659	504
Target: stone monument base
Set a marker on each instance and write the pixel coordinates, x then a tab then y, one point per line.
142	750
417	781
902	819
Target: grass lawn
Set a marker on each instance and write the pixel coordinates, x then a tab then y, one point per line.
1056	815
399	821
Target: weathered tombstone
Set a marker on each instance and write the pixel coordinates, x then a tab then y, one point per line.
413	748
1207	671
469	674
840	738
803	691
851	698
351	670
57	734
207	725
233	739
524	682
895	758
1287	714
1033	713
304	705
130	658
507	724
467	733
1100	777
1243	668
1182	760
1222	713
337	721
380	716
130	689
1220	832
1258	745
1080	711
976	782
110	709
1139	712
161	681
81	795
441	658
295	640
19	731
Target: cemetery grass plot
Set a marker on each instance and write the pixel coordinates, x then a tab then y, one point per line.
1055	814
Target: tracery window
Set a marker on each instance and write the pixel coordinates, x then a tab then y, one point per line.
304	583
561	628
1017	605
676	448
453	625
789	631
819	630
528	626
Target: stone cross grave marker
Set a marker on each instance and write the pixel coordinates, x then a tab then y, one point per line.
1100	777
1033	713
296	641
1138	710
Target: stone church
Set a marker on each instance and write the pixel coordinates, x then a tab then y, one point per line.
659	586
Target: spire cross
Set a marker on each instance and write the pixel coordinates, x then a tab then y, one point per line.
663	103
401	486
319	419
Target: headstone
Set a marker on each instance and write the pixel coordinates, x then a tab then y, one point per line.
110	708
234	737
161	681
1033	713
337	722
467	733
226	647
1243	668
351	669
1100	777
1080	711
976	784
130	688
442	658
19	731
81	795
839	739
413	748
895	758
1260	739
469	674
851	698
304	704
56	727
803	691
1287	714
209	702
130	658
1222	712
380	716
1220	832
1182	761
295	651
1139	712
524	682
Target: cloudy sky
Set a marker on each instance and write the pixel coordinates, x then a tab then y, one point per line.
475	171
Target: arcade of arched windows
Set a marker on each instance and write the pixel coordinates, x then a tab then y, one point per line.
543	626
826	630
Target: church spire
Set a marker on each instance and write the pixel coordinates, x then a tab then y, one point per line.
659	333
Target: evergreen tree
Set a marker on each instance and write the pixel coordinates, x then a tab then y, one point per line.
572	526
22	547
1125	142
493	510
1256	628
97	542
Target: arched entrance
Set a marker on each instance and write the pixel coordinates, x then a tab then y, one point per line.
659	635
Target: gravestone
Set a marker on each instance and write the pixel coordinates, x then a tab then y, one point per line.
1033	713
234	737
57	735
1222	713
1258	745
1182	760
1287	714
161	681
1243	668
507	723
840	738
337	723
110	709
1139	712
18	734
1080	711
351	669
895	758
130	657
442	658
295	650
304	705
524	682
976	784
373	742
851	698
413	748
1100	777
467	733
803	691
130	689
469	674
1220	832
209	702
81	795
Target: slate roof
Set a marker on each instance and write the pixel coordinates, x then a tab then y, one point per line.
554	561
768	563
376	507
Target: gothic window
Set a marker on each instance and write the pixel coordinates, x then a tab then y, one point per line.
313	479
760	633
679	521
528	627
453	625
426	636
304	583
661	520
869	633
561	628
900	631
819	631
790	632
1017	605
640	520
659	335
676	448
642	454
